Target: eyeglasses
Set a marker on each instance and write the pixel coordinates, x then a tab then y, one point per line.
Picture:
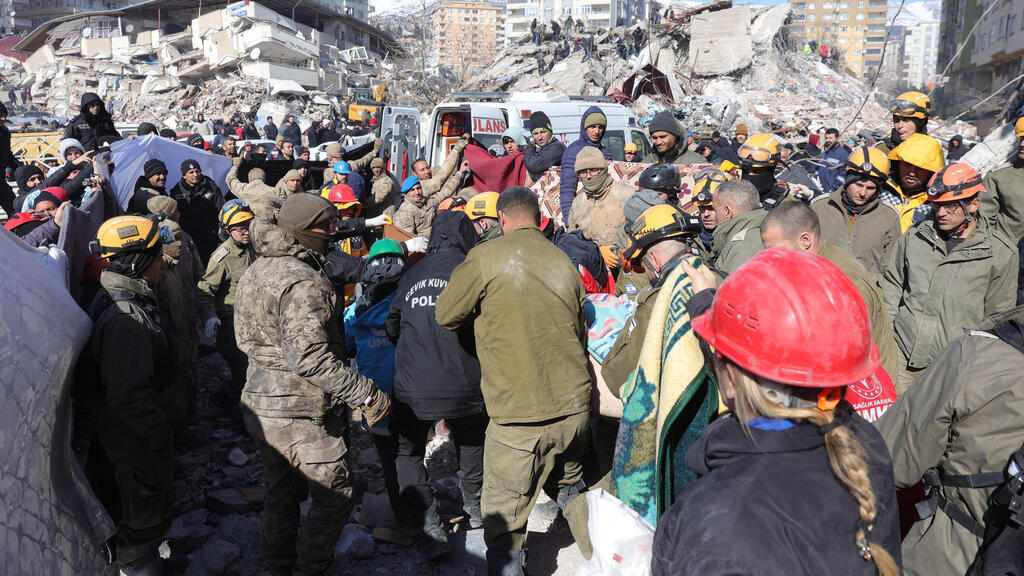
240	228
588	172
906	107
949	207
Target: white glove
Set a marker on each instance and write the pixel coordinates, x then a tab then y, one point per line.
211	327
378	221
800	191
417	244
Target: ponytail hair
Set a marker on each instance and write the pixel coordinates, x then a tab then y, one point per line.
846	457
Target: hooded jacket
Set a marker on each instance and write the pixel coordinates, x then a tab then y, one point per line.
436	371
88	129
962	415
291	330
200	207
144	190
768	503
869	236
569	178
538	159
934	296
955	154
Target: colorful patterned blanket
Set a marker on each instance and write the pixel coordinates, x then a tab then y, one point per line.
668	401
606	315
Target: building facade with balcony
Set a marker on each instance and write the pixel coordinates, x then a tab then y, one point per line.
595	13
856	28
467	35
920	55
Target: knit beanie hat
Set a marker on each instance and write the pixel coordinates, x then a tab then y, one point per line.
189	164
595	119
589	157
165	204
196	140
153	167
68	143
377	163
292	175
741	129
664	121
44	196
145	129
540	120
638	203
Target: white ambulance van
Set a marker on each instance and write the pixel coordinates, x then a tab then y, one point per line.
486	115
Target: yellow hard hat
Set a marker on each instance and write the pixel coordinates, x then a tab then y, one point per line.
656	224
911	105
483	205
759	151
727	166
630	148
920	150
126	234
1018	128
234	213
706	182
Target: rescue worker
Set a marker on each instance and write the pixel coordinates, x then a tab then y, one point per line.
854	219
534	375
597	213
133	365
433	183
834	157
948	273
656	241
152	183
917	159
592	127
669	142
482	210
794	226
383	191
632	280
218	288
663	179
910	113
199	200
1003	206
437	377
339	175
546	151
791	448
92	123
758	157
291	332
630	152
737	237
706	182
956	428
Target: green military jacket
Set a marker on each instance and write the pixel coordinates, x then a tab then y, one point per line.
1002	201
963	415
220	283
524	299
867	286
933	296
291	330
868	236
737	240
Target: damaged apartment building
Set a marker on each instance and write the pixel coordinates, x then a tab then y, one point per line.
160	52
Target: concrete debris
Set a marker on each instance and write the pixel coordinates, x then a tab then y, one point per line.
720	42
237	457
356	541
213	558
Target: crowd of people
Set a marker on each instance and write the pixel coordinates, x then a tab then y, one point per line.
853	309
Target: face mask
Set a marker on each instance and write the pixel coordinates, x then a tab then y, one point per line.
595	185
764	182
315	241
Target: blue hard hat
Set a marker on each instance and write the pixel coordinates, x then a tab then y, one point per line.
341	167
408	183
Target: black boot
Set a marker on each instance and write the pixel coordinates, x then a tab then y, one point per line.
434	539
505	562
139	561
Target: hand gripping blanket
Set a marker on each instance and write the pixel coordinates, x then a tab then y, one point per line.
668	401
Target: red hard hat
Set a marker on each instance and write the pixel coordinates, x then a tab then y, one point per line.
343	196
793	318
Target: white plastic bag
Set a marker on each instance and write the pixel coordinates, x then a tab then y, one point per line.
621	539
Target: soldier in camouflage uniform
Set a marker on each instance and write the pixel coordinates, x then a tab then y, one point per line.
127	366
298	381
217	301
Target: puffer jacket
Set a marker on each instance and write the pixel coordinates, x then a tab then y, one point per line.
437	373
88	129
1002	203
869	236
538	159
934	297
758	505
200	208
963	416
737	240
291	331
569	179
599	216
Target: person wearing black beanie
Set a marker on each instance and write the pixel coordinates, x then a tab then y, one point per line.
669	141
152	183
545	150
199	200
145	129
169	134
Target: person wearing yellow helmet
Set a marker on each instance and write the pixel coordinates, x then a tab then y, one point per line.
854	218
912	164
759	155
630	151
129	360
482	209
948	273
216	298
706	182
910	113
1003	206
657	241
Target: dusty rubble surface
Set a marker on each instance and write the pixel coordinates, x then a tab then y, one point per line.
219	490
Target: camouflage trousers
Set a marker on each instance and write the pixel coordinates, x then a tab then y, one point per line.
520	460
301	459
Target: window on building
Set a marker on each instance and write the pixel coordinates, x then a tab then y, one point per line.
844	5
810	17
844	16
827	6
826	17
810	29
810	6
860	4
873	51
843	40
860	16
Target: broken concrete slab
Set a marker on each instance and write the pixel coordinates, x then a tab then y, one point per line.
720	42
768	24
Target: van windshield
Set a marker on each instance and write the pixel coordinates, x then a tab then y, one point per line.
615	140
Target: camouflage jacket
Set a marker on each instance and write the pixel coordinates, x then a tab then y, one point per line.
291	331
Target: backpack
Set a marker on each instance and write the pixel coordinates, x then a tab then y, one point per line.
1002	531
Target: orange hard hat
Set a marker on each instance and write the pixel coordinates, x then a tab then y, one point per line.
343	197
955	182
453	204
770	337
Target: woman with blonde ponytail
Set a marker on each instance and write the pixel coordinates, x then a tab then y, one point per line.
791	481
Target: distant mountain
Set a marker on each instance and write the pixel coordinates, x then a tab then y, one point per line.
914	13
